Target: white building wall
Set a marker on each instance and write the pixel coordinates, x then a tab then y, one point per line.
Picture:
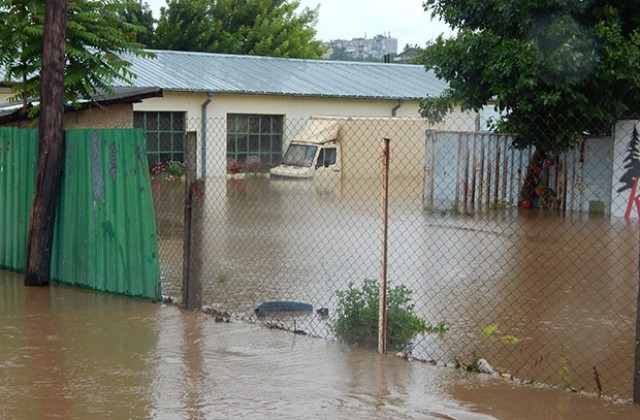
290	107
295	109
621	138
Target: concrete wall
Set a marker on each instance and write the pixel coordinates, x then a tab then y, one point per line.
113	116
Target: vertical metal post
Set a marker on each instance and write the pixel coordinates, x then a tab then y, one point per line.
189	287
636	370
382	322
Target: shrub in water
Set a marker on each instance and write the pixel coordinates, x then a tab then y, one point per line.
357	315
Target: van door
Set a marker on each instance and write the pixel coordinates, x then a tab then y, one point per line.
327	174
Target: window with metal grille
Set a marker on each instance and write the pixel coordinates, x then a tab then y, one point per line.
254	142
164	132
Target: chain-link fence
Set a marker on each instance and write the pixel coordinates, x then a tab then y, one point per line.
523	258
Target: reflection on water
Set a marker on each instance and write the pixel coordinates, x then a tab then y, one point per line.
565	287
72	354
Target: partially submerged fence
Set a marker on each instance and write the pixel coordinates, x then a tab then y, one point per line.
105	235
543	290
476	171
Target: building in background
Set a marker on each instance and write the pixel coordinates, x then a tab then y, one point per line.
362	48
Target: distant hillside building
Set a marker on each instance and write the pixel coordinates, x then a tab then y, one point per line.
362	48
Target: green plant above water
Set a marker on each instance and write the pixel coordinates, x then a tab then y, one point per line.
492	331
564	375
357	317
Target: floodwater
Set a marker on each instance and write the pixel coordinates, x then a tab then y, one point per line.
72	354
564	287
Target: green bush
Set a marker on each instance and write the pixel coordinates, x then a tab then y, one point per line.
357	316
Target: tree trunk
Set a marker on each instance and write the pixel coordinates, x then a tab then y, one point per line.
51	146
528	196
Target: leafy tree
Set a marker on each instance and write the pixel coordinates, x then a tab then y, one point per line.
252	27
412	54
555	69
340	54
138	13
96	37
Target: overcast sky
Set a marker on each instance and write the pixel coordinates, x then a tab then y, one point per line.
404	20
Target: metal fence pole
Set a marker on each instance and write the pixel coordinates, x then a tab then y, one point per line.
636	371
382	322
190	289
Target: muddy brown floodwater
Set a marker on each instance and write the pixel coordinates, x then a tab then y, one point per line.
564	286
71	354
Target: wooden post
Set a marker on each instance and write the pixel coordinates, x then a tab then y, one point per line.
51	146
382	322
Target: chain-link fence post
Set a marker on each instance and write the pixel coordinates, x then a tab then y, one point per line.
382	323
190	279
636	371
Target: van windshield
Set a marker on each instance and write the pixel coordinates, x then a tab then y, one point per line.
299	155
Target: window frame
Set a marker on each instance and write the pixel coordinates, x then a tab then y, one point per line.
164	133
255	141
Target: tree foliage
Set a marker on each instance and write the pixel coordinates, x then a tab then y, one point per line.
554	69
96	37
138	13
251	27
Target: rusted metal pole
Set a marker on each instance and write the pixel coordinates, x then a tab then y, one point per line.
51	146
382	322
636	370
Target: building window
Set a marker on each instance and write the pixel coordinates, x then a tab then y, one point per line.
254	142
164	132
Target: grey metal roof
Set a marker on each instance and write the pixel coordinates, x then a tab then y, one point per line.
223	73
14	111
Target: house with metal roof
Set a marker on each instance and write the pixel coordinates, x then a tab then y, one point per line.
264	98
253	105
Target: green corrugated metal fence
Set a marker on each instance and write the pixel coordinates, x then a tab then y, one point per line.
18	158
105	235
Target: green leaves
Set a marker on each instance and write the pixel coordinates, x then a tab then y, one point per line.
254	27
556	69
96	38
357	318
492	330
